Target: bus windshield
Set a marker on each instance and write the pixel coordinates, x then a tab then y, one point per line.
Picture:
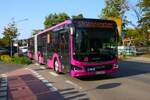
89	41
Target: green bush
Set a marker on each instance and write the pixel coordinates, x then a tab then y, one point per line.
6	58
21	60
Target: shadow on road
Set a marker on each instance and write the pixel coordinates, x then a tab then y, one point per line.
130	68
108	85
104	86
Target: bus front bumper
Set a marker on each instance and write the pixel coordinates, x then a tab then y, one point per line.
84	72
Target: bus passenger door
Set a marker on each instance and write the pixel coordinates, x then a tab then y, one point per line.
64	50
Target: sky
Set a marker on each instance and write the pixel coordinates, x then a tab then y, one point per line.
30	14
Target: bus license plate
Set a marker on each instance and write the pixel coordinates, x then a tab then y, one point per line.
101	72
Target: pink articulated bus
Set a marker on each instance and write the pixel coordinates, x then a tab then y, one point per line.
30	52
82	47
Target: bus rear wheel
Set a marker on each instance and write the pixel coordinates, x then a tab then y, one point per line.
56	66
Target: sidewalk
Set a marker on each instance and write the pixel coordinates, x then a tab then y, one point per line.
24	85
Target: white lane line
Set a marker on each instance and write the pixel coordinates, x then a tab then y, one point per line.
42	67
74	84
54	74
3	89
37	64
3	94
38	76
45	81
3	85
33	71
26	68
41	78
49	85
3	75
53	89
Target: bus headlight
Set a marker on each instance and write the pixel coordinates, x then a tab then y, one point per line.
115	66
76	68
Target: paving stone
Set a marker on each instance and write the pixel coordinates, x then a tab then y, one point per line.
3	85
4	78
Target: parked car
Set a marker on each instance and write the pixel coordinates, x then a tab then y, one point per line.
128	50
23	49
3	50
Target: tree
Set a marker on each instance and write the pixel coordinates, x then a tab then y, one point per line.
114	9
53	19
4	41
78	16
137	11
10	33
144	21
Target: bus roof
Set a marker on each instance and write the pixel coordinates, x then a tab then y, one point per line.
53	27
71	21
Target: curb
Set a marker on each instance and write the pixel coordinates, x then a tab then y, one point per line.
3	87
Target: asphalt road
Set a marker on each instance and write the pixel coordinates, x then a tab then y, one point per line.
5	68
132	82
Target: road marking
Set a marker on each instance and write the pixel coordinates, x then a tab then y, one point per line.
37	64
45	81
49	85
53	89
3	75
26	68
42	67
3	89
54	74
74	84
3	85
3	94
38	76
41	78
34	72
4	79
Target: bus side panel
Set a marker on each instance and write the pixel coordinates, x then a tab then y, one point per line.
41	59
30	54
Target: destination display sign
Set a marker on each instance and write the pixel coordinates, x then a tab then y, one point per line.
93	24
